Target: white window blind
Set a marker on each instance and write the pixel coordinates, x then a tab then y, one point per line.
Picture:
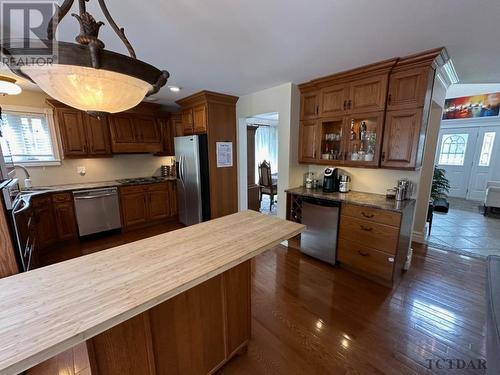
28	136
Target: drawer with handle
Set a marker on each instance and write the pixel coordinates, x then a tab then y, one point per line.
372	214
379	236
366	259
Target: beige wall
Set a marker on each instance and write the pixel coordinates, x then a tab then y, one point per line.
284	99
119	166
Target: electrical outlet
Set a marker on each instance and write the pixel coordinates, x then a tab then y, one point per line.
81	171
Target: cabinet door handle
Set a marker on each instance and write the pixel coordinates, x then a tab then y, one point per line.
345	104
366	229
350	104
383	156
362	253
368	216
317	109
389	98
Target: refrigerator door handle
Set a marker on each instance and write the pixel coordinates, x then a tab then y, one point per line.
181	168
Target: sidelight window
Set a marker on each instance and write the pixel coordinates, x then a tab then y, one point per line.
453	148
486	150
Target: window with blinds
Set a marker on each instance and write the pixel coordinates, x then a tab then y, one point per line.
28	136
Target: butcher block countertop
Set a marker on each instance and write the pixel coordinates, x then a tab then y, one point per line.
49	310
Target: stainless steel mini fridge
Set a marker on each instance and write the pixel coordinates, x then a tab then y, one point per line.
193	189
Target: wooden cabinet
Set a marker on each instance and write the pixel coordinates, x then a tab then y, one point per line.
334	100
200	118
167	124
308	137
187	121
195	332
144	204
374	242
402	132
97	132
64	215
82	135
391	98
368	94
408	88
45	221
134	134
309	105
72	130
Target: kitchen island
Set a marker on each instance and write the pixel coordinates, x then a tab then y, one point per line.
177	303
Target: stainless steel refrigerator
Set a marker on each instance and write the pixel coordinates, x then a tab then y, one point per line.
193	191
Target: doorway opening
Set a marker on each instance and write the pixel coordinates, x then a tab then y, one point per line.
468	153
262	148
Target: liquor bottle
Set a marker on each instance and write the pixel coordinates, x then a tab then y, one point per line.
353	133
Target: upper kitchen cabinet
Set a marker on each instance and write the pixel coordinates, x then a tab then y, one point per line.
82	135
308	135
334	100
368	94
167	123
309	105
373	116
194	119
134	134
408	87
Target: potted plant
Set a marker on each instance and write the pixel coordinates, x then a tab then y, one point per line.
440	189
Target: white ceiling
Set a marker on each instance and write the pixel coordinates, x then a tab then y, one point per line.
239	47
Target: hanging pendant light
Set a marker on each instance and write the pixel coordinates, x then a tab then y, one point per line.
85	75
8	86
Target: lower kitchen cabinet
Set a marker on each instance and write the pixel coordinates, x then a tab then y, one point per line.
195	332
64	214
45	221
55	218
148	203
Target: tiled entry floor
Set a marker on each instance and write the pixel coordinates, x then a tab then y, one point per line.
465	228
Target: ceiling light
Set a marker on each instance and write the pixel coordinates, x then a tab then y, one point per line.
174	88
85	75
8	86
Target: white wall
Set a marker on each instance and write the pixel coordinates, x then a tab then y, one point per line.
458	90
101	169
285	100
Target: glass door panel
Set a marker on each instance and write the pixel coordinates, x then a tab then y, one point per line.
332	140
364	139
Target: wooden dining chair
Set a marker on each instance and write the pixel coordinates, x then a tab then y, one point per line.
266	185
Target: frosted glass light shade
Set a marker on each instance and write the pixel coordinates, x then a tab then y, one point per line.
8	86
89	89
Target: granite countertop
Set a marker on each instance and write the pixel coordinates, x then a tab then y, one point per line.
90	185
357	198
51	309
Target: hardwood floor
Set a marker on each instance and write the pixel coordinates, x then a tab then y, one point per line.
310	318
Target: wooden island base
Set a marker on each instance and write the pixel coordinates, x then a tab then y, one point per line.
195	332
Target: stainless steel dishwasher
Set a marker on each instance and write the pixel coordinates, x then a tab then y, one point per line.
321	217
97	210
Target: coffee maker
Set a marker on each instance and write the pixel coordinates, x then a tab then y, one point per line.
331	180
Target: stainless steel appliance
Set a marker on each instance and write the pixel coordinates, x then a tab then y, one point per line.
193	192
321	218
97	210
21	222
345	184
404	190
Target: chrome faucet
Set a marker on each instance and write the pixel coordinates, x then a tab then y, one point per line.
24	169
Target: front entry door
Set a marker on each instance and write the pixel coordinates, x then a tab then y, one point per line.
455	155
486	157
